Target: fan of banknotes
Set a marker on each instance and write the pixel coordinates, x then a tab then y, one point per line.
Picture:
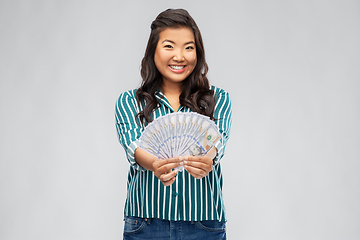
179	134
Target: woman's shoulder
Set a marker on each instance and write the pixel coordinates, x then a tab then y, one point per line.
219	91
127	100
128	95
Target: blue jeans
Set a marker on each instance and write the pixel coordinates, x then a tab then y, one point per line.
139	228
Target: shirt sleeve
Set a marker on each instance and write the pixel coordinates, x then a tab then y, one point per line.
223	119
128	130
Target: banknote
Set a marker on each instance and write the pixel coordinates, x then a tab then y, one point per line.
180	134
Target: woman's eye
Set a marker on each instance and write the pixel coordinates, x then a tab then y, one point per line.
189	47
168	46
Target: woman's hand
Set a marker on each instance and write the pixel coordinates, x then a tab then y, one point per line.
197	166
162	169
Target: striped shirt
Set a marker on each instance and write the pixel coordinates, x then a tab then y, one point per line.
187	199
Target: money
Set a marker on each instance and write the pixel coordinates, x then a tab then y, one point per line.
180	134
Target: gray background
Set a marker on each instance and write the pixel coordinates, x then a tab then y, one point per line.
292	168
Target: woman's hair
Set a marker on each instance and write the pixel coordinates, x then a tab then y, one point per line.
195	89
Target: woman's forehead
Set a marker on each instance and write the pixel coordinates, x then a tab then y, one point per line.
177	35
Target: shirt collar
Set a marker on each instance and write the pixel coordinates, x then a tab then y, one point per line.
159	95
163	100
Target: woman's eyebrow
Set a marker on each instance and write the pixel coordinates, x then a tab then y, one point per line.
191	42
166	40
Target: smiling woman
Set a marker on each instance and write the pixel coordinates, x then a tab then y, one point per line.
175	55
175	58
163	202
195	89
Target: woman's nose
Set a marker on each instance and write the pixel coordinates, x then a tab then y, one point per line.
178	56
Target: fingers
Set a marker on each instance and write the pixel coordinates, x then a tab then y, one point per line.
175	161
196	172
204	163
168	178
163	169
162	166
198	167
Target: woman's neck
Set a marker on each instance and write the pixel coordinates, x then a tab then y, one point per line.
172	91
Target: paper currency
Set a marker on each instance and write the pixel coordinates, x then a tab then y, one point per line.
179	134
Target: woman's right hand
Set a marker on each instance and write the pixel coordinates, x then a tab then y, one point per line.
162	169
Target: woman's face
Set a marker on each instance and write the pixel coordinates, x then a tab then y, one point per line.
175	54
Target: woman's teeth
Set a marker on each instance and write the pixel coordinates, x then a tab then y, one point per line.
177	67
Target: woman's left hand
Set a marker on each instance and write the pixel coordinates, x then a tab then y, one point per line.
197	166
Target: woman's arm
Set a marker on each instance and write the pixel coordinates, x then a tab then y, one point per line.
200	167
162	168
129	133
223	116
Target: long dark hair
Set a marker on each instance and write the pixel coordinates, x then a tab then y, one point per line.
196	94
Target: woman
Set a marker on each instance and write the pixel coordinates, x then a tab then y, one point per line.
163	203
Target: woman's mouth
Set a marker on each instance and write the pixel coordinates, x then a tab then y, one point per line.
177	68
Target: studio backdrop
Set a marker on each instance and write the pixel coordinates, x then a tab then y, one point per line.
292	163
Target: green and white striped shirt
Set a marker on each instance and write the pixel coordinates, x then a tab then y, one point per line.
187	199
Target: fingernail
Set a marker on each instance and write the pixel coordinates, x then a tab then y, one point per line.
185	162
181	158
181	163
186	157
